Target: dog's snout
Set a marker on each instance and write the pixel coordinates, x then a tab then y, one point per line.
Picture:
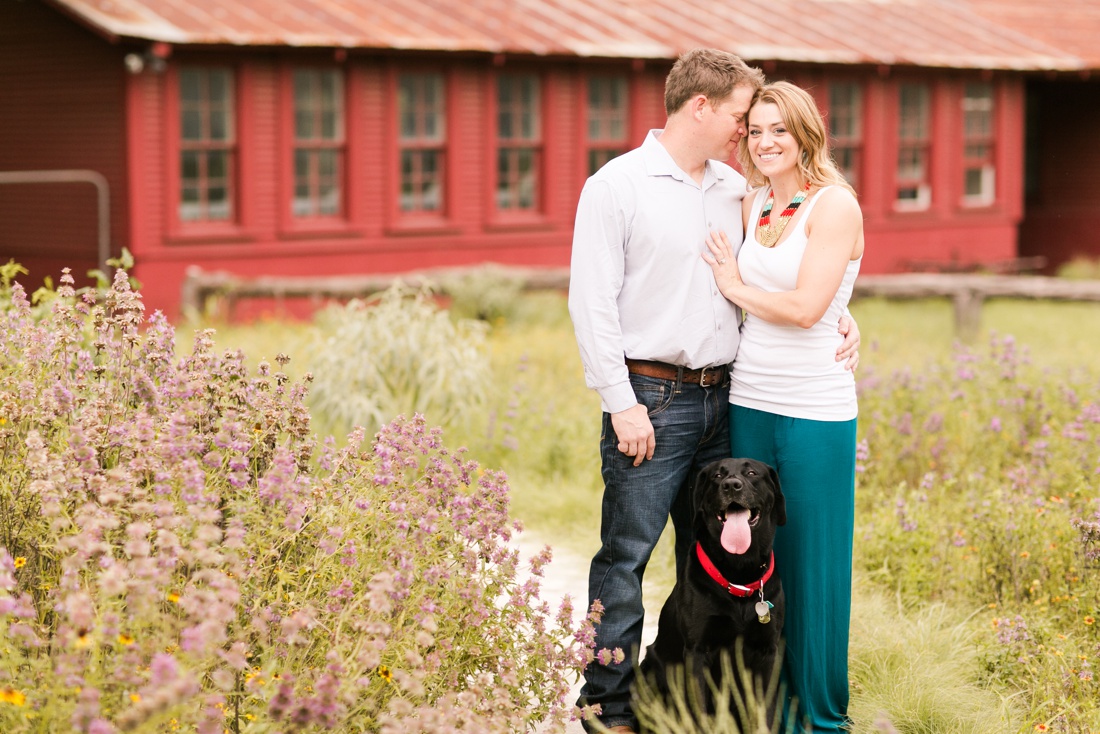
734	483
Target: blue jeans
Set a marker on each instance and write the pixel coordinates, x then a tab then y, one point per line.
691	429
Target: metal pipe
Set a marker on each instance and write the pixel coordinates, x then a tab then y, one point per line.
103	199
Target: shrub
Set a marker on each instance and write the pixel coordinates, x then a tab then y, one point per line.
979	488
178	553
489	293
397	354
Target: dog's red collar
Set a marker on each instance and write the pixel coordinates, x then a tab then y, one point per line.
735	589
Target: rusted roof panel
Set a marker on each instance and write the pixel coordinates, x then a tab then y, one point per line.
943	33
1072	27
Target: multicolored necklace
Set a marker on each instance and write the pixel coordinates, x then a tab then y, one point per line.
770	233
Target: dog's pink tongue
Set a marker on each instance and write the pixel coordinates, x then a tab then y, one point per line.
736	536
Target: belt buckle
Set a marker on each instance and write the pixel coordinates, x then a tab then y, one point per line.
703	379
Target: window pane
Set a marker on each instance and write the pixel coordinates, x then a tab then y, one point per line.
518	107
910	164
420	107
219	125
845	110
517	178
216	165
206	138
219	85
326	163
189	166
505	128
978	173
913	120
423	130
190	86
913	134
607	108
973	179
191	124
597	157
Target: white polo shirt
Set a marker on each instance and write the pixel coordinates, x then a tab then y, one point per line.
638	285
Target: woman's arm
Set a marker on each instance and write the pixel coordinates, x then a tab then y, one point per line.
835	236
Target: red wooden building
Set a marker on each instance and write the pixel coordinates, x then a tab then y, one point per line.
317	137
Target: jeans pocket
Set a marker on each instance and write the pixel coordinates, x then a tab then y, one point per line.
653	393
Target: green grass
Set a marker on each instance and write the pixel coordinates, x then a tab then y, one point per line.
930	668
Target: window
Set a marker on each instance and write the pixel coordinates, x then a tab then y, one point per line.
978	169
607	128
318	143
519	143
913	188
422	141
846	128
208	148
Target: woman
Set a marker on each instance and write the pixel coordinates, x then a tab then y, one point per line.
792	404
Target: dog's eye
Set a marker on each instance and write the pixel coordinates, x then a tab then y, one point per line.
751	472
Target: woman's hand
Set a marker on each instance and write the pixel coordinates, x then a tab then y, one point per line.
719	255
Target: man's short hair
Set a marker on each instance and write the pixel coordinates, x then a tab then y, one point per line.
709	72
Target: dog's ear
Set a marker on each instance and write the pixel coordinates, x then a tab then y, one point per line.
779	506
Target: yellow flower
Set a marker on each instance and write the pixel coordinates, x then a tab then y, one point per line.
1040	727
20	561
1024	554
12	696
385	673
125	639
3	420
1088	620
135	697
173	597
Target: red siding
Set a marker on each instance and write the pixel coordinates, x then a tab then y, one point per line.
65	124
62	108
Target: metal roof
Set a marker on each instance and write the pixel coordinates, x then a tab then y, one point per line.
940	33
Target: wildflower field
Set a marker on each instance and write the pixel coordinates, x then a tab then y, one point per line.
183	549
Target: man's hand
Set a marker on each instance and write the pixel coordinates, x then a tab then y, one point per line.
848	351
635	433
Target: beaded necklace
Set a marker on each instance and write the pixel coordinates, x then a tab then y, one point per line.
770	233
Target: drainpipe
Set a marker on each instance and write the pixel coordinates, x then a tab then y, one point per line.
76	176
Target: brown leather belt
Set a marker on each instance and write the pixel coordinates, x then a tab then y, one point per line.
705	377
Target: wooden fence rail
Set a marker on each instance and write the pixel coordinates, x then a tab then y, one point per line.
967	290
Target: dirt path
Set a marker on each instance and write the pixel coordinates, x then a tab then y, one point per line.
567	573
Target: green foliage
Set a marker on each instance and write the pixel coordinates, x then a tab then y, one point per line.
943	498
488	293
979	489
397	354
177	553
917	671
1080	268
736	712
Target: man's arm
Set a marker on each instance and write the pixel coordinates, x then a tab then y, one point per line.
848	351
596	274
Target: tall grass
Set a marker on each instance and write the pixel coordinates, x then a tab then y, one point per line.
977	459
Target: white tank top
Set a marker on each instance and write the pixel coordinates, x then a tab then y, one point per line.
788	370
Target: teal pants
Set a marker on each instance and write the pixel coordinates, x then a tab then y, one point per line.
816	462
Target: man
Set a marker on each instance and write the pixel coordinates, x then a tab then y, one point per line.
656	338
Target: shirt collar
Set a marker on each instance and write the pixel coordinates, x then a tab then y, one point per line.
659	162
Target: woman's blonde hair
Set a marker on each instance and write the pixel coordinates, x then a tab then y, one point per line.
804	122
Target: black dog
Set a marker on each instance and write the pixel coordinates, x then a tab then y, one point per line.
730	571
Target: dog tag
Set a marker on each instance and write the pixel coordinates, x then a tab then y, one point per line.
764	612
